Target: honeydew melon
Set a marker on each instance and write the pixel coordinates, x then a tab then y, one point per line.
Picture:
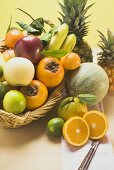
89	78
19	71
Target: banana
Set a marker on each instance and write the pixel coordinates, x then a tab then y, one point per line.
2	63
58	38
69	43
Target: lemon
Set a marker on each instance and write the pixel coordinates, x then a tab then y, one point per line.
55	126
71	107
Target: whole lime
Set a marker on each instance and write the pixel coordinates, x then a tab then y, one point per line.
55	127
1	71
70	107
14	102
2	90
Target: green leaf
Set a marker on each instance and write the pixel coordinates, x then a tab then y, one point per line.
87	98
110	37
60	20
37	22
9	27
28	28
67	101
54	30
76	23
67	4
103	38
75	3
72	13
86	9
37	26
46	37
62	8
55	53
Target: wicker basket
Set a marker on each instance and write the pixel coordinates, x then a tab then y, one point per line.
10	120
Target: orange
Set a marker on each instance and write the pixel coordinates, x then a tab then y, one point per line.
12	37
97	122
71	61
76	131
50	71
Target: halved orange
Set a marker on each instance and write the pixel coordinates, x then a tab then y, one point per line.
98	123
76	131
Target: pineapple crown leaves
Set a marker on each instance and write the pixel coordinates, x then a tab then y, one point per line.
73	13
106	42
106	56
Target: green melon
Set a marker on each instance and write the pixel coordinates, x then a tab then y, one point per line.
89	78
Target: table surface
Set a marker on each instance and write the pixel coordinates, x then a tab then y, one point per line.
30	148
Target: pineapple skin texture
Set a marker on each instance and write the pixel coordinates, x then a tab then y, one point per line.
84	51
110	73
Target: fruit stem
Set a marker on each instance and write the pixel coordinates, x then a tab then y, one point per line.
48	22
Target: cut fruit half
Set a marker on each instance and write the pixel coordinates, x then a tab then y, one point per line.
76	131
97	122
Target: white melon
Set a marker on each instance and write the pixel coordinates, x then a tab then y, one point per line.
19	71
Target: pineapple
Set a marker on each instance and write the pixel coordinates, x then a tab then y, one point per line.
73	14
106	56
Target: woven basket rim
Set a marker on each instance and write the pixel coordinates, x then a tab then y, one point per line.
10	120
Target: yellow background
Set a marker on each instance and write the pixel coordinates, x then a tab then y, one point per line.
101	19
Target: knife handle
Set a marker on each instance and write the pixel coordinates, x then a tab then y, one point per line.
85	163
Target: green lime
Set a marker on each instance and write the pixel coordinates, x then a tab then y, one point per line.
55	127
2	90
1	71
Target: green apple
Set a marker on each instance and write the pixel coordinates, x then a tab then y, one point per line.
14	102
71	107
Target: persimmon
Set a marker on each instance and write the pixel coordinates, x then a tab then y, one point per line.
50	71
71	61
35	93
12	37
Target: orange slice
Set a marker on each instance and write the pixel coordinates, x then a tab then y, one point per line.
76	131
98	123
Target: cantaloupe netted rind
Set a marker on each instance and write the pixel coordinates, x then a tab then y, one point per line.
76	131
97	122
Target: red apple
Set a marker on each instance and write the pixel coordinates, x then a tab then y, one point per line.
29	47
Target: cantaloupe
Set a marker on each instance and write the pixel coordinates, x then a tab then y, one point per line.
89	78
